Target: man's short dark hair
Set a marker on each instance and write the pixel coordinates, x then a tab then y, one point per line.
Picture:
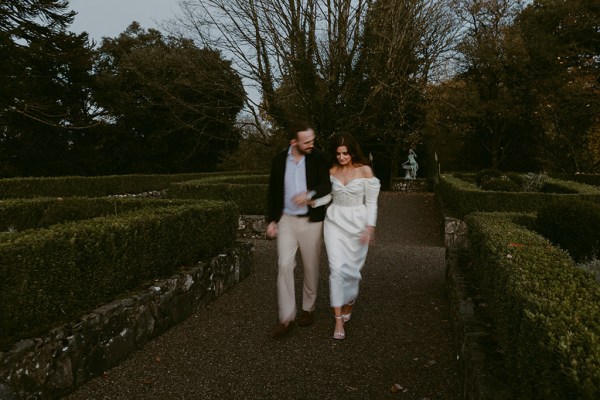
298	126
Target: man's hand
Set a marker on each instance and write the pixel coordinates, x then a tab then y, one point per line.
271	231
301	199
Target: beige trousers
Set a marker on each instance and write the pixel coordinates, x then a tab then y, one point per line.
294	232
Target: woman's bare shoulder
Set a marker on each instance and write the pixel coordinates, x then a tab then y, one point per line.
365	171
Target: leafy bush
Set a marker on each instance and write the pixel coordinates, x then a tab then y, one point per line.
501	185
248	192
41	212
573	225
487	175
589	179
515	177
94	186
533	182
50	275
460	197
545	311
550	187
592	267
465	176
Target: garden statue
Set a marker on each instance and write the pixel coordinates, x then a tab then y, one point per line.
411	165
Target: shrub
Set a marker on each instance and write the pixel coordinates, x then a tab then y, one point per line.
50	275
467	177
592	267
487	175
501	185
516	178
573	225
41	212
550	187
248	192
544	310
533	182
94	186
460	197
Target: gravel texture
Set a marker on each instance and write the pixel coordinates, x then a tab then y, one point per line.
398	344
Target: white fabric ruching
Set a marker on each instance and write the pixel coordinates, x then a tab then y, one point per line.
354	206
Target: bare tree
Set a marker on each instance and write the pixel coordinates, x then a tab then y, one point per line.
299	55
358	65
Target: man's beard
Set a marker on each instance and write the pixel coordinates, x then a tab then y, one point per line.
305	152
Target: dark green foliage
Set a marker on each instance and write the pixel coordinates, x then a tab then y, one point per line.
467	177
590	179
563	42
461	197
501	185
174	105
515	177
68	186
46	84
572	225
493	179
248	192
487	175
23	214
54	274
545	311
550	187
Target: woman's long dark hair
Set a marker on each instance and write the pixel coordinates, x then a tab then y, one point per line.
346	139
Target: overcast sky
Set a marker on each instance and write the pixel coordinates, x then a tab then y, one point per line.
111	17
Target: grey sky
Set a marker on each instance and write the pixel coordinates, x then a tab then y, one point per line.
111	17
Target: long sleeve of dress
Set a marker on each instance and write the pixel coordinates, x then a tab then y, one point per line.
372	187
321	201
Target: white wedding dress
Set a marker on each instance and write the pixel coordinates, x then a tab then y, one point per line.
353	207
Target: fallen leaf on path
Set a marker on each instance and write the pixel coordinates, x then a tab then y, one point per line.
395	388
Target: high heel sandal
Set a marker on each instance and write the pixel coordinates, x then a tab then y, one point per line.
339	335
346	317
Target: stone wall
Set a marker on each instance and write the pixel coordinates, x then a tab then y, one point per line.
455	233
60	361
476	354
251	227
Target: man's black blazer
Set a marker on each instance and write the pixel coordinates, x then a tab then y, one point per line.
317	179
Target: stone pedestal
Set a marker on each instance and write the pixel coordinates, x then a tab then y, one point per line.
410	185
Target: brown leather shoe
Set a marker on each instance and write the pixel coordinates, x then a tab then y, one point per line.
306	318
281	330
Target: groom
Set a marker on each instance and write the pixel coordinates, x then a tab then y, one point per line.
297	175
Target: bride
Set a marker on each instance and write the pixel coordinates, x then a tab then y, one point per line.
349	225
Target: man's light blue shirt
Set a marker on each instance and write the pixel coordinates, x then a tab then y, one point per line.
294	183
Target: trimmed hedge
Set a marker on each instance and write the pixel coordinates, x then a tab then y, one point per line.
95	186
248	192
545	310
461	197
54	274
589	179
22	214
572	225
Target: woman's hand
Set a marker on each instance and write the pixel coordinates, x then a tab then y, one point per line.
368	235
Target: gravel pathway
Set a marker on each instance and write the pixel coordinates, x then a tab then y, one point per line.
399	335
